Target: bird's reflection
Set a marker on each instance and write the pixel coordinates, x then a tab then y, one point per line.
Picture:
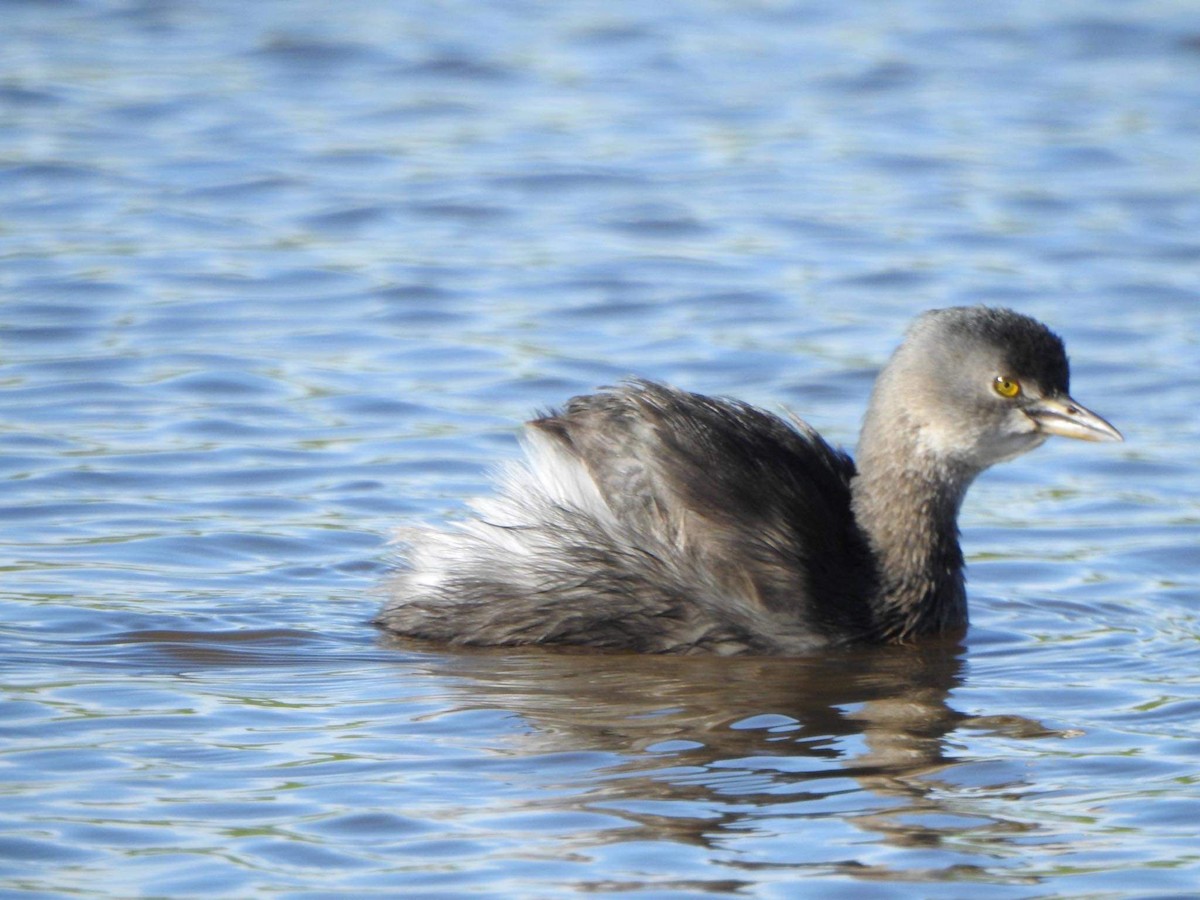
741	738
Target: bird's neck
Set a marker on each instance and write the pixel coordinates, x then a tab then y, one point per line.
906	501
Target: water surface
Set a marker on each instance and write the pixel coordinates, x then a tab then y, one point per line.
279	278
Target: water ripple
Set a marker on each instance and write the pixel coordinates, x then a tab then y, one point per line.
280	280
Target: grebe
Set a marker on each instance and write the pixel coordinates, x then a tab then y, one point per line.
650	519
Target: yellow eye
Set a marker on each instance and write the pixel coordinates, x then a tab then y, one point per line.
1006	387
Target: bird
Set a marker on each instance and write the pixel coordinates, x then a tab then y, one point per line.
650	519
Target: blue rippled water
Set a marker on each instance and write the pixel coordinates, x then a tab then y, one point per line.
279	278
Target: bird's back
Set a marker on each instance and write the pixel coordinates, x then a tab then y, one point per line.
653	519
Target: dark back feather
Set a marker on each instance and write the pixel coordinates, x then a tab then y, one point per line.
761	505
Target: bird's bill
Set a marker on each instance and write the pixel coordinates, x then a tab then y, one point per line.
1066	418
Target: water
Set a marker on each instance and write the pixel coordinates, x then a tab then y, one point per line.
278	278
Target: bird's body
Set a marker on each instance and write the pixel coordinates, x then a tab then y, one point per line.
651	519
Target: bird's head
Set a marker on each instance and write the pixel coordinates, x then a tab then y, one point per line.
976	386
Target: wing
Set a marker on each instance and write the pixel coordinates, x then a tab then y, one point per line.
760	506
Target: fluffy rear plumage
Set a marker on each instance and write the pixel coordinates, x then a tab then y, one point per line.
651	519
